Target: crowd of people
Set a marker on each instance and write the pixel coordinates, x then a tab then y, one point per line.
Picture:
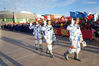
84	24
21	27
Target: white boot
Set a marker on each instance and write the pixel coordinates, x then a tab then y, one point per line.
41	47
36	46
47	51
51	54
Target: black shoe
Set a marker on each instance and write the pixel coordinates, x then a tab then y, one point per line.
77	59
36	48
41	49
76	56
51	56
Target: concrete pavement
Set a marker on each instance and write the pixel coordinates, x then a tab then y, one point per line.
17	49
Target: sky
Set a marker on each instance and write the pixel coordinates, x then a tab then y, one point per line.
51	6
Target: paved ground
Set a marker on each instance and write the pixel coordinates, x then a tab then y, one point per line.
17	49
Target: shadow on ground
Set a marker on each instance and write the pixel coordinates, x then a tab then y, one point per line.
9	59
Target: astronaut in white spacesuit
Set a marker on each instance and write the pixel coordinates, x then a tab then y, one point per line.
49	35
75	39
37	35
43	28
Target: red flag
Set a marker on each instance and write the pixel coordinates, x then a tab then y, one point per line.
45	17
90	16
36	19
41	19
60	21
69	18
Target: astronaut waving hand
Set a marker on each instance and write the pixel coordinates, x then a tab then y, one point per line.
75	39
37	35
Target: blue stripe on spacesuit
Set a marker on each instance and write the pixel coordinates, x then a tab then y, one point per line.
78	40
70	41
38	37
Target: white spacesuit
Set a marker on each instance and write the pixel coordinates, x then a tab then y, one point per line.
37	35
75	39
49	36
43	28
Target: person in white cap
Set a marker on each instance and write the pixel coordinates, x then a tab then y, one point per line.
49	34
37	35
75	39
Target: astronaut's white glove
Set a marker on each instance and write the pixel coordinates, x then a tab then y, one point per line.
33	33
30	24
54	38
30	27
72	22
83	44
45	23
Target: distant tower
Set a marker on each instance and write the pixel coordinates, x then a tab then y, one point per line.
14	15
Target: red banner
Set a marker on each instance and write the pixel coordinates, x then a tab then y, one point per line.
64	32
87	34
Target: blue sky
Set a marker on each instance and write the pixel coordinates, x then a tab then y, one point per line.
51	6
